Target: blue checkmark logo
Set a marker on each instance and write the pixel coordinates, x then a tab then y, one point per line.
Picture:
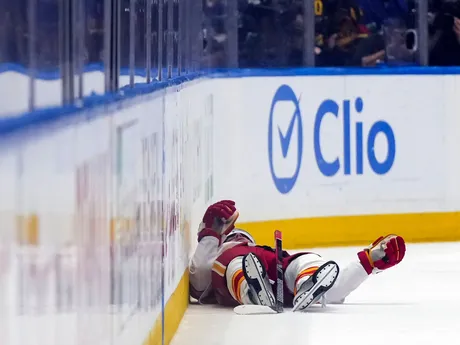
285	140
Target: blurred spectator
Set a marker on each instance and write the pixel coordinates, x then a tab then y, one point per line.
351	42
445	33
271	35
260	43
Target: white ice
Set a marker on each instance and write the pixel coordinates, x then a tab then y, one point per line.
417	302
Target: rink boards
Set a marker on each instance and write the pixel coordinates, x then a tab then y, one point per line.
104	201
338	160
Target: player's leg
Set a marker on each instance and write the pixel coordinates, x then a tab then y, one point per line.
308	276
384	253
255	273
236	282
240	277
247	281
350	278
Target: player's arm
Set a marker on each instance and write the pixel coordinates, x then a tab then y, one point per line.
202	261
218	220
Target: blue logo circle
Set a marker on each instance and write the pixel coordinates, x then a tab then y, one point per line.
284	184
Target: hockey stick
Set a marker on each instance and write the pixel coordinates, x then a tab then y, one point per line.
253	309
279	272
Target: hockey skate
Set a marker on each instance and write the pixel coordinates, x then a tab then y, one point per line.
260	289
311	291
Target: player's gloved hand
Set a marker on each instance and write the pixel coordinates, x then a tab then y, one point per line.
384	253
220	218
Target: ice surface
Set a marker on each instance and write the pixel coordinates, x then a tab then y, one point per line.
417	302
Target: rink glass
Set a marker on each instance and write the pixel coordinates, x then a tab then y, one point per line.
95	46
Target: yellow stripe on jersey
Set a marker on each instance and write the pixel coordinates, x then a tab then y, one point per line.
237	280
219	268
306	272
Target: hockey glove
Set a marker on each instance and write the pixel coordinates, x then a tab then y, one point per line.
219	217
384	253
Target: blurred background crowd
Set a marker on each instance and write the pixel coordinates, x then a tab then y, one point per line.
267	33
349	32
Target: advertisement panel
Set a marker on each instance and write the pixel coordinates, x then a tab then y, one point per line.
339	159
326	146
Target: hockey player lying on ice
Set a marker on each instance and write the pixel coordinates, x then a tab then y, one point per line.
223	270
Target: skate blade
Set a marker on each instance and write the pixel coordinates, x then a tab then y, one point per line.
252	269
326	276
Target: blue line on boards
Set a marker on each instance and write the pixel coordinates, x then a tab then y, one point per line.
9	124
333	71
